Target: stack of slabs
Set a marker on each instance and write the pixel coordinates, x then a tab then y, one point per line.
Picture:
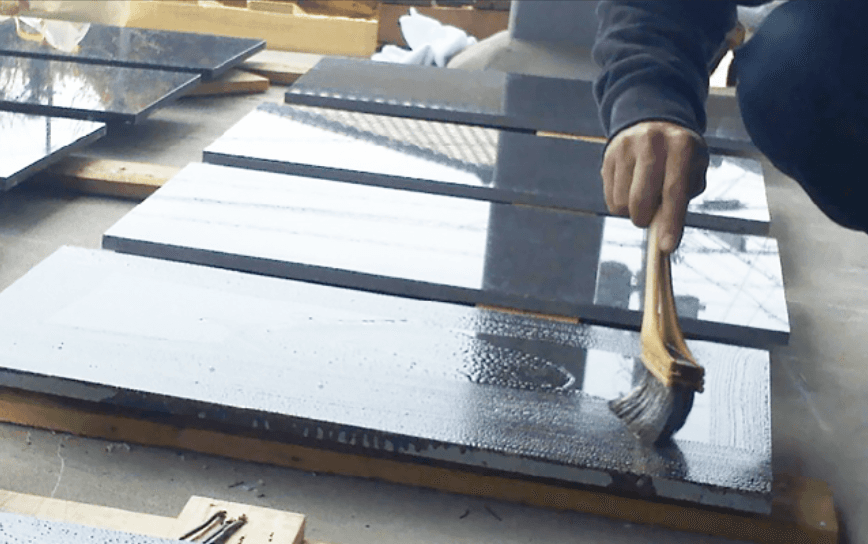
374	285
54	101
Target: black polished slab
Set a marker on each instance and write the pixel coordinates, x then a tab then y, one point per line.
18	529
374	375
33	142
453	249
87	91
502	166
484	97
204	54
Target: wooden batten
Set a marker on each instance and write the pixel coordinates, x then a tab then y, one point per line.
802	510
104	177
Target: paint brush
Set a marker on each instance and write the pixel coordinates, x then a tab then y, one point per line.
660	403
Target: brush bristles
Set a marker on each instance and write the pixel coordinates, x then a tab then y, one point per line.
652	411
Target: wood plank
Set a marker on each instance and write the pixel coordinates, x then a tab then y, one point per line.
264	525
478	23
306	33
803	510
124	179
233	82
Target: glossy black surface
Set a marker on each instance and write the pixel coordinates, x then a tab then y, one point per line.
376	375
484	97
453	249
32	142
87	91
458	160
204	54
17	529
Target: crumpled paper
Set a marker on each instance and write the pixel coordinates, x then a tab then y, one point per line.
431	42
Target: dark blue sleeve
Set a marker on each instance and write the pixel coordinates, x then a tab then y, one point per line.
654	58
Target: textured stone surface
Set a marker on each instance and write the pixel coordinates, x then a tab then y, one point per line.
486	97
87	91
501	165
32	142
16	529
204	54
453	249
377	375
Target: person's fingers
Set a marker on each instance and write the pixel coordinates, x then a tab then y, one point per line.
648	176
607	172
623	178
680	169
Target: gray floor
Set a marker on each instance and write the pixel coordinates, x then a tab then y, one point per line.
819	406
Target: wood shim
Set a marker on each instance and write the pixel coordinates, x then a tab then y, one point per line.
802	510
288	32
132	180
262	523
232	82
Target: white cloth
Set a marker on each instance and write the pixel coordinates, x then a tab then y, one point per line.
431	42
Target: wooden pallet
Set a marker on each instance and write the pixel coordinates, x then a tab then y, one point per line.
802	510
263	524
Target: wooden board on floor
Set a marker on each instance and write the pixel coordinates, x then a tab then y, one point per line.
288	32
263	524
124	179
280	67
802	511
233	82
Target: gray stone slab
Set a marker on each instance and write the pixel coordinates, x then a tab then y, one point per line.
17	529
502	166
33	142
485	97
453	249
204	54
427	382
87	91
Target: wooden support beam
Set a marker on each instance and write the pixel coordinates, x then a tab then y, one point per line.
124	179
263	524
802	510
232	82
284	31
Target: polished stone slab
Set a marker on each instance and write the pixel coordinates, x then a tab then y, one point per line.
510	167
87	91
18	529
485	97
204	54
374	375
453	249
33	142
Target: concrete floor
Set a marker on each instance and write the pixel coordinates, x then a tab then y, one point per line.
819	406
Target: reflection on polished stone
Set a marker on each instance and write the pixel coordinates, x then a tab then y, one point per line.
465	161
448	248
19	529
376	375
32	142
481	97
204	54
87	91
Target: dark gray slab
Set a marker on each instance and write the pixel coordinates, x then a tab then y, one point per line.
375	375
87	91
33	142
485	97
453	249
523	168
17	529
204	54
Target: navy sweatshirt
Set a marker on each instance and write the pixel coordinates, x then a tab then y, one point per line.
655	58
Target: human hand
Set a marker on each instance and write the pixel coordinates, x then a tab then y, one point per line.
651	165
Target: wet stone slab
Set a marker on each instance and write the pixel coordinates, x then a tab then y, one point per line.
461	160
376	375
482	97
33	142
729	286
204	54
87	91
17	529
